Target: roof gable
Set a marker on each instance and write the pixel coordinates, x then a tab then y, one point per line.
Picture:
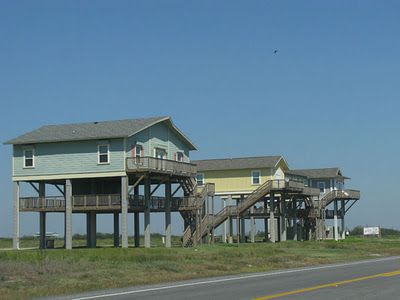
318	173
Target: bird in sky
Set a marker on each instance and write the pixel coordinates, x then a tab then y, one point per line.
275	51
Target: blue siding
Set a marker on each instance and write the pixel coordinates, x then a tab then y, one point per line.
159	136
69	158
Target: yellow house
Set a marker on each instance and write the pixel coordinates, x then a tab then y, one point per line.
240	176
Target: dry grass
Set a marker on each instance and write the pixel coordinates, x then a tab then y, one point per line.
34	273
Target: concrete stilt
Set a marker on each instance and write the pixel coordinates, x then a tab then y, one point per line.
168	214
124	211
91	225
223	204
272	218
16	215
343	209
335	221
116	229
242	225
252	226
42	217
42	231
294	206
147	192
230	239
136	222
68	214
266	227
283	225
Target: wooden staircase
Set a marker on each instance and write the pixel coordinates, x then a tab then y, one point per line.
211	222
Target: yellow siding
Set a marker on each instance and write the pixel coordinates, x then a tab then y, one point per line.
234	180
237	181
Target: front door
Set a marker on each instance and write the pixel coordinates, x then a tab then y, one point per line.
160	154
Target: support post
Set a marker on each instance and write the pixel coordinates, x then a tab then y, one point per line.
16	215
147	192
223	205
272	217
68	214
42	217
266	229
116	229
136	221
294	207
252	225
335	220
124	211
283	225
343	213
230	239
168	199
242	224
93	229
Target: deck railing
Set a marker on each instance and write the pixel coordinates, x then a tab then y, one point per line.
137	164
41	203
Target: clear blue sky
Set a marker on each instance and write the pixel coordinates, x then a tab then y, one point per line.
328	97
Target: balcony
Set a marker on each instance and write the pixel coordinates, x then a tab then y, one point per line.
156	165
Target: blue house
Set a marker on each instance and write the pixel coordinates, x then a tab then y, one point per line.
98	167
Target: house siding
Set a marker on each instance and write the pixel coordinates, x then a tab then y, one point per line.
69	158
158	136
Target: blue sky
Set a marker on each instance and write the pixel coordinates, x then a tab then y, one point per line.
328	97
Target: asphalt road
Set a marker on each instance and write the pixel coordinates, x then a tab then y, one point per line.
371	279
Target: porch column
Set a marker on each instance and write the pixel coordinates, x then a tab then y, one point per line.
147	187
343	213
252	225
16	215
168	214
68	214
283	225
124	211
136	221
272	218
116	229
42	217
335	220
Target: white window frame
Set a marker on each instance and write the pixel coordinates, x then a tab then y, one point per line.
203	182
160	148
141	150
183	156
108	153
252	177
33	157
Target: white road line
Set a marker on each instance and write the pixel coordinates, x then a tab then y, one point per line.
211	281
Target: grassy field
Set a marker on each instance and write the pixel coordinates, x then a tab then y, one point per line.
34	273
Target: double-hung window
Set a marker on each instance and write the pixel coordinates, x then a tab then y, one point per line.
29	158
179	156
200	178
255	177
103	153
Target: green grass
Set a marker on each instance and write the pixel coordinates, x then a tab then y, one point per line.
34	273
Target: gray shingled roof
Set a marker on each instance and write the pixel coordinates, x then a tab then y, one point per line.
93	130
237	163
318	173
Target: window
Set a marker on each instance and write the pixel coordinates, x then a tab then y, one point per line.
29	158
200	178
321	186
138	150
255	177
104	154
179	156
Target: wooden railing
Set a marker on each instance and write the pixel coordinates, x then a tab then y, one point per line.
109	200
27	203
138	164
339	195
